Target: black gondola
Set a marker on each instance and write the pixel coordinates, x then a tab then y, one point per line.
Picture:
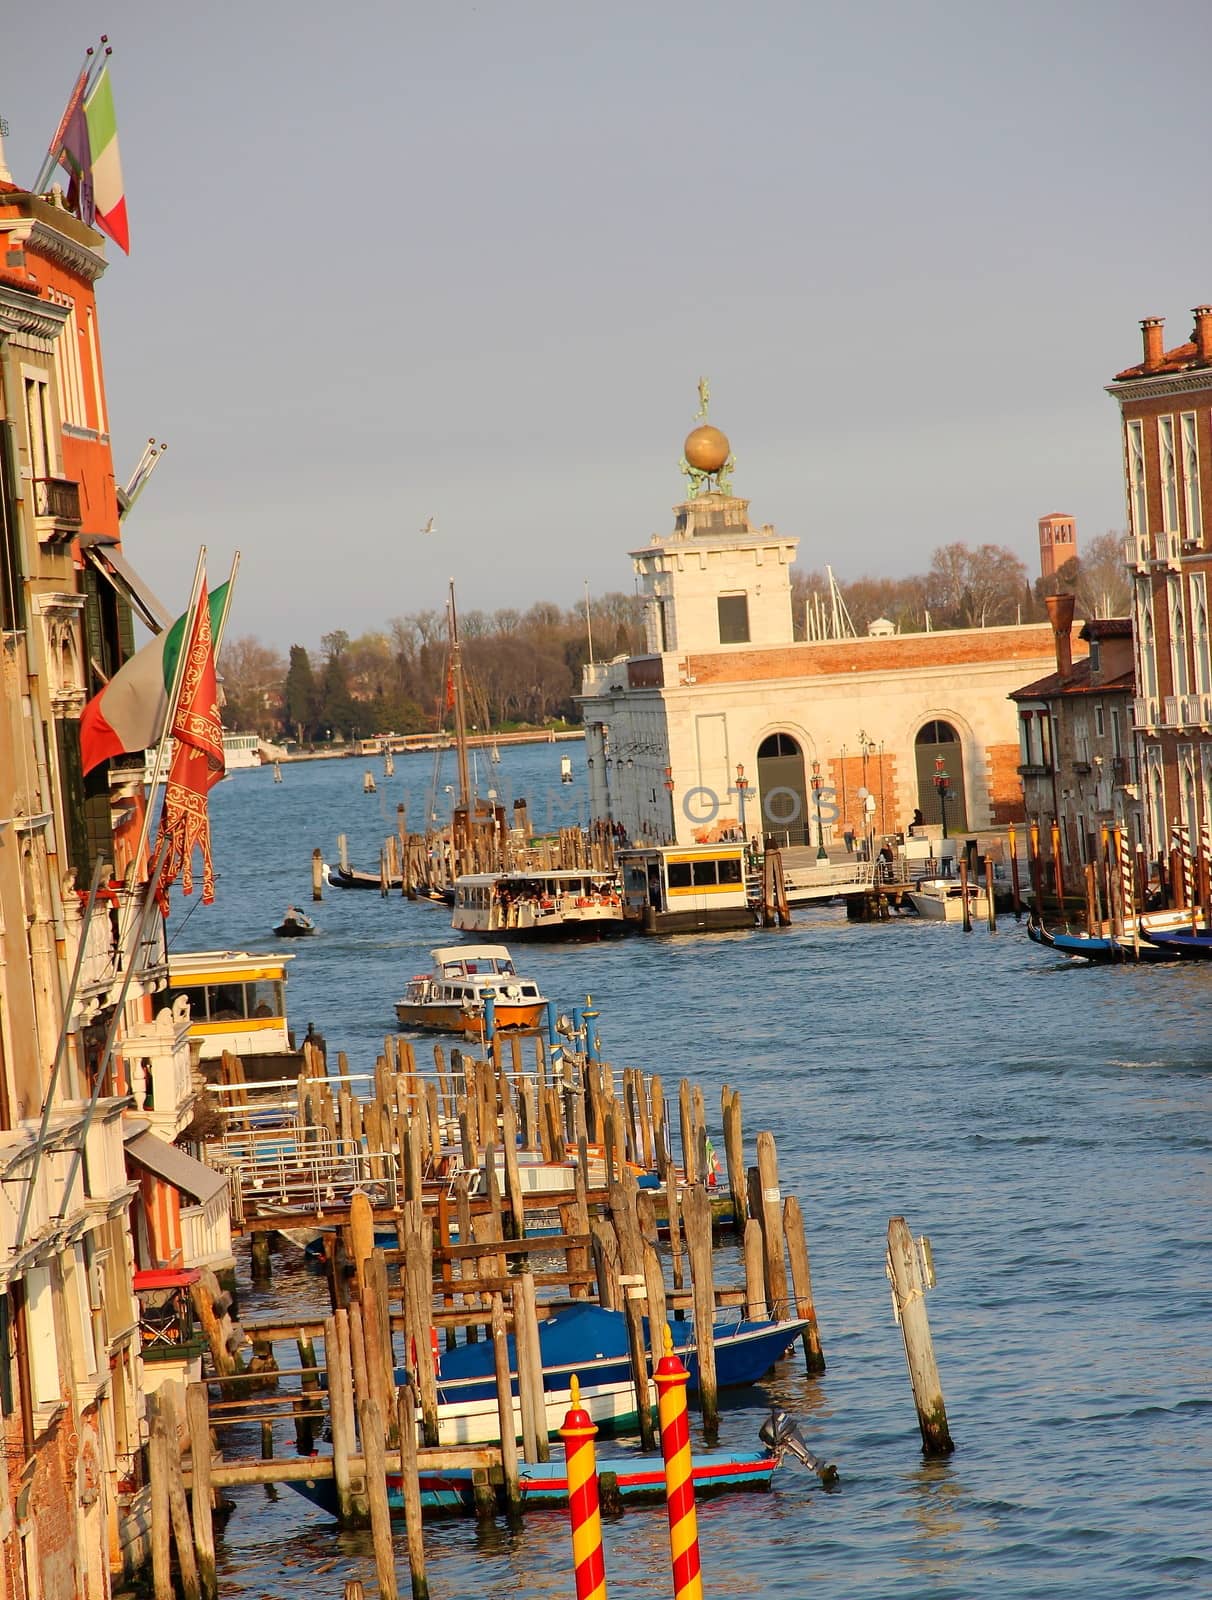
295	924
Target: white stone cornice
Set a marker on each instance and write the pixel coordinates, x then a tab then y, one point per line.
25	315
47	240
1162	384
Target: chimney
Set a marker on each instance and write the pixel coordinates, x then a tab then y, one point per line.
1060	615
1151	327
1203	333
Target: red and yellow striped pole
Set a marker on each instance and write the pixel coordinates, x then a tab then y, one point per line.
580	1467
671	1379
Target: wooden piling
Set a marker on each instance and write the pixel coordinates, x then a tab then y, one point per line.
990	906
771	1219
336	1363
161	1516
967	903
374	1456
734	1153
183	1534
801	1282
505	1416
1015	895
696	1209
755	1272
198	1418
317	874
406	1425
910	1300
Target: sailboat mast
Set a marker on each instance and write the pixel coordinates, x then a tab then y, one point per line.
460	709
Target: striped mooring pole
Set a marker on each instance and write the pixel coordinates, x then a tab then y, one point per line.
671	1380
584	1512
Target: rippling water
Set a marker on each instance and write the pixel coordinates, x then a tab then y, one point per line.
1048	1127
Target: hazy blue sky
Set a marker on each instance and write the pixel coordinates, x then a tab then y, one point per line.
469	260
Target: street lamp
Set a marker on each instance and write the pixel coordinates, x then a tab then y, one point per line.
741	789
943	784
818	783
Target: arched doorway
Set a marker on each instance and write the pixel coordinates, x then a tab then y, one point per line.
938	741
782	790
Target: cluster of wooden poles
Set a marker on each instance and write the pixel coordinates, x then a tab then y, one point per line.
464	1262
483	840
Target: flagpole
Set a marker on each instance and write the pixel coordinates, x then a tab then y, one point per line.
162	747
231	583
85	79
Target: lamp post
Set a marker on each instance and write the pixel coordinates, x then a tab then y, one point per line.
818	783
741	790
943	784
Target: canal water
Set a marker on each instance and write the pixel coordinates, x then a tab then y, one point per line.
1048	1127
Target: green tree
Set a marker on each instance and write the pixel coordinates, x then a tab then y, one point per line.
302	705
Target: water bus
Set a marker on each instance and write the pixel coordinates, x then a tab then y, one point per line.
472	989
237	1002
573	903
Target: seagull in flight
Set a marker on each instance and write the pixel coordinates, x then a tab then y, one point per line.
428	528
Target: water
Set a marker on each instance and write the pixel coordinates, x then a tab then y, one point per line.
1049	1128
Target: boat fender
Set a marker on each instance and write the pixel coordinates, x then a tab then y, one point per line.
433	1350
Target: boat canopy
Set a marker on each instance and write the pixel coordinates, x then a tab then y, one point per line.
473	960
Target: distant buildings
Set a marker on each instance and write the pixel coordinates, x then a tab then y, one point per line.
1165	404
1057	543
728	723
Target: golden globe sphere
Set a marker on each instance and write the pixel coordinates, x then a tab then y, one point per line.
706	448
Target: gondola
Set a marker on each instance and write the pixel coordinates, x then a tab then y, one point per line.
295	924
1188	946
1100	950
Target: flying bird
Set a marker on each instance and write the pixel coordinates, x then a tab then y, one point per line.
428	528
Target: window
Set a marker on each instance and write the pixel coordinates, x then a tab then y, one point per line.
704	874
1195	516
1138	509
12	592
1169	471
1116	745
1147	676
1095	655
734	618
1100	724
1199	632
43	1347
37	416
680	876
730	871
1178	636
663	623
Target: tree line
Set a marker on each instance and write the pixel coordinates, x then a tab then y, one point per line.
524	667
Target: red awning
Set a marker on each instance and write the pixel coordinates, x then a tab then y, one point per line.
166	1278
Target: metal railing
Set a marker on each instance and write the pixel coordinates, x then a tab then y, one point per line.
58	498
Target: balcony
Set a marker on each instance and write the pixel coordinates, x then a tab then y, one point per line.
57	500
160	1074
1123	771
1145	712
1136	554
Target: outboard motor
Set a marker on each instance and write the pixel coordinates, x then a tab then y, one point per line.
781	1433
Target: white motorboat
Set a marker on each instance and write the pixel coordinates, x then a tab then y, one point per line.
466	979
942	900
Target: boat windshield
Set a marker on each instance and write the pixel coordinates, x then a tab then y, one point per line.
231	1002
482	966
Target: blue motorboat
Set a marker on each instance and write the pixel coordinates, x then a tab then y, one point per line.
584	1341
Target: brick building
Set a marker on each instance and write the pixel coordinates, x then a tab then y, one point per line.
1165	405
727	714
1078	762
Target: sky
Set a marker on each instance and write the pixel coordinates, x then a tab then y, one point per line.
393	261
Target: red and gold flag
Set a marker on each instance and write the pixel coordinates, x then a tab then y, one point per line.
197	765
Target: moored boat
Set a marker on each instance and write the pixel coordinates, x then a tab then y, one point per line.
584	1341
567	904
236	1003
470	987
545	1483
942	900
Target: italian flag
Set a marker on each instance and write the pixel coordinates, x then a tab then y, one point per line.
129	713
109	195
